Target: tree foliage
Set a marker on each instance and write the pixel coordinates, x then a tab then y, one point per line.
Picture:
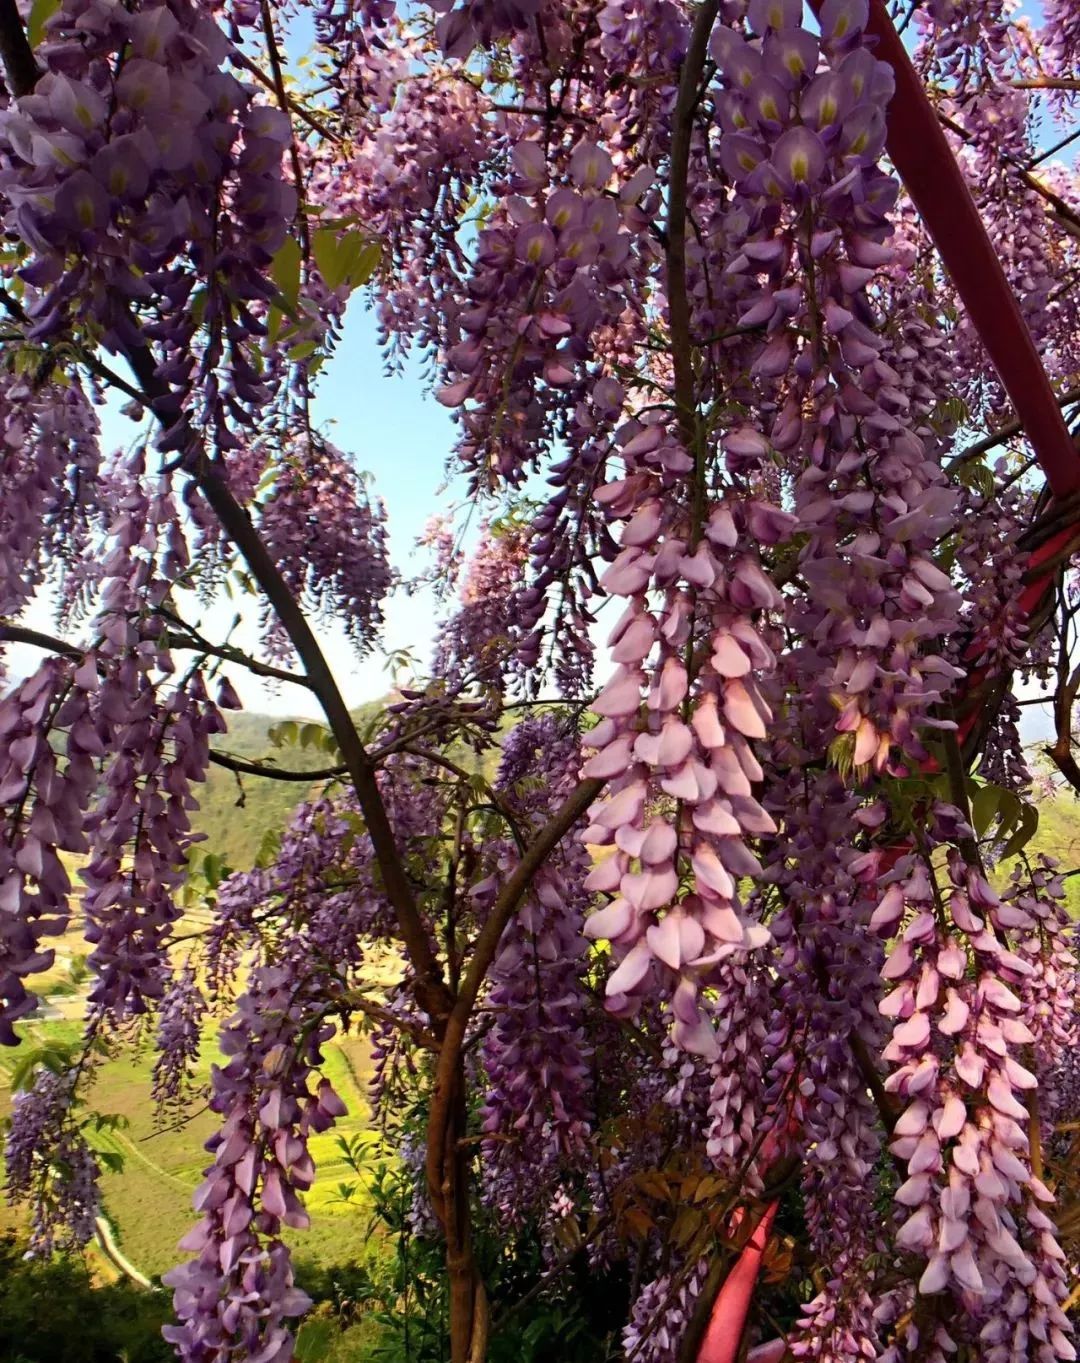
758	327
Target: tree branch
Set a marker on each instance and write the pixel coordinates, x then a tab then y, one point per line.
20	64
678	298
246	768
1003	433
36	638
1047	83
190	641
1062	209
483	953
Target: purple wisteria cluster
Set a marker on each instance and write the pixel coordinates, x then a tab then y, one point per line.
155	729
328	538
49	465
975	1210
44	796
537	1056
709	382
234	1298
137	170
180	1021
49	1164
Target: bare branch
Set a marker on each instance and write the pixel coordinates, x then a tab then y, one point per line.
483	953
1003	433
36	638
245	768
20	64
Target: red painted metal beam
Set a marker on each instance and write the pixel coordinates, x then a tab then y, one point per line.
918	148
724	1333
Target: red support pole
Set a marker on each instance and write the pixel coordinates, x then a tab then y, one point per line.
920	152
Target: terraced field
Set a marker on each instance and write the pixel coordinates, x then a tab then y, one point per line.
149	1201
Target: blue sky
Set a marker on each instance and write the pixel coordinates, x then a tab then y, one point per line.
395	430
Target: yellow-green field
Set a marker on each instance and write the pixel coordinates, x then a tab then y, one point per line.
149	1201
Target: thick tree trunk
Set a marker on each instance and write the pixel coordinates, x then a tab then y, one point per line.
468	1301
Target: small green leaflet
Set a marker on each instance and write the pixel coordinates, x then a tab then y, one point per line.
349	258
41	11
285	271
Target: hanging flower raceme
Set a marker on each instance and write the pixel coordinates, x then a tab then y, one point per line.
158	748
180	1019
137	170
480	644
826	989
803	130
49	1164
661	1312
235	1297
49	459
537	1056
1034	908
44	797
328	538
974	1209
676	723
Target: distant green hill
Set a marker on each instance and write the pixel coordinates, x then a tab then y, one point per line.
235	812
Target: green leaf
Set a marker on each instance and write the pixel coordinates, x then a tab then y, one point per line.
345	258
977	477
313	735
326	247
367	262
41	11
214	869
303	350
198	305
984	807
281	735
285	271
1029	825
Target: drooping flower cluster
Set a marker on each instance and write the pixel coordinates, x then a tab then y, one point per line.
179	1035
328	538
158	738
537	1057
49	1164
49	461
975	1211
234	1298
660	1314
138	168
44	798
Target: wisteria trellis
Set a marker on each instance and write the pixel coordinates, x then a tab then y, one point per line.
657	256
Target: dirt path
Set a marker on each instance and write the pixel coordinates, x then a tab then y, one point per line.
115	1256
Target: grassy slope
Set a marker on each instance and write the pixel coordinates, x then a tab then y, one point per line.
149	1202
1058	836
